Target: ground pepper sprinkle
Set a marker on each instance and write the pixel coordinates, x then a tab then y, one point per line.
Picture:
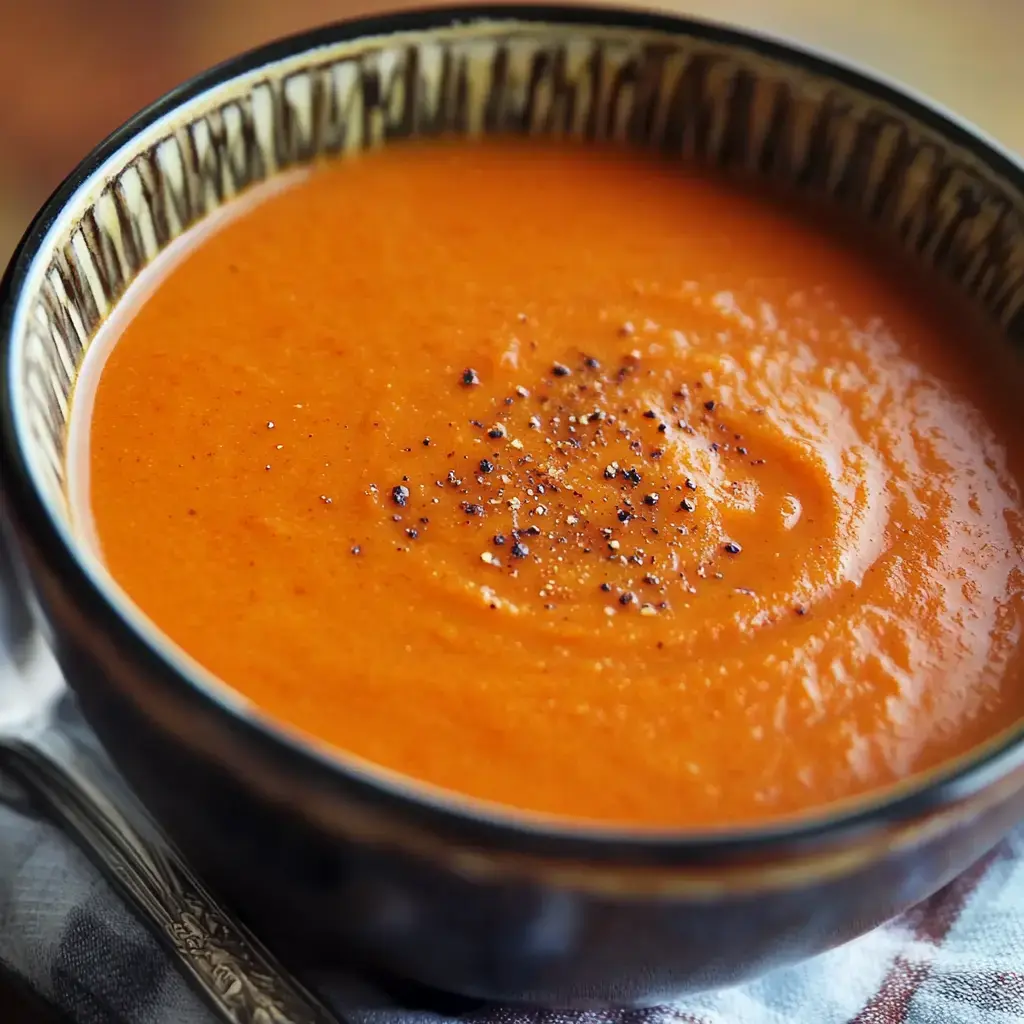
584	418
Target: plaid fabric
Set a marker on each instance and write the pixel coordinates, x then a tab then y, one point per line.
956	959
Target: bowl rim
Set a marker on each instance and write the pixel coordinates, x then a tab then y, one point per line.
462	819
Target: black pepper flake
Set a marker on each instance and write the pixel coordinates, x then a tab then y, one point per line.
800	610
470	377
732	547
627	597
412	533
426	442
690	484
632	476
710	405
741	450
656	453
650	414
532	531
496	431
560	370
591	363
486	466
652	499
519	550
472	509
687	505
714	446
652	581
662	428
606	587
499	539
356	549
624	515
400	495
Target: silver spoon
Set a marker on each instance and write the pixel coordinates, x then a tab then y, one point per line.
44	749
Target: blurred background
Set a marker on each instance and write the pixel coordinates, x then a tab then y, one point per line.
72	70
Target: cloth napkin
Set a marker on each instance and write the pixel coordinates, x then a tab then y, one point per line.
958	958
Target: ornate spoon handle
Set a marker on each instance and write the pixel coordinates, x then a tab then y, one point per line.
240	980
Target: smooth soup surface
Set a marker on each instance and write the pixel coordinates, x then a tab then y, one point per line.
571	481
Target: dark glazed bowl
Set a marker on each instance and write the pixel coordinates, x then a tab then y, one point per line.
324	855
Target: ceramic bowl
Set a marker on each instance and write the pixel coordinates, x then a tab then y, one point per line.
330	861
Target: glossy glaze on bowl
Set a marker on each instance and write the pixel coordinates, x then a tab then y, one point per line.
339	858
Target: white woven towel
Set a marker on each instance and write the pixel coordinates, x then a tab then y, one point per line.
956	959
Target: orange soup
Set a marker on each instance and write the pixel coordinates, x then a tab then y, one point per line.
573	482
